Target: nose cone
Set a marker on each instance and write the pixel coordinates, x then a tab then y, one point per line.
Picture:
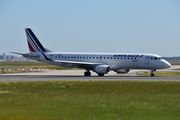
166	64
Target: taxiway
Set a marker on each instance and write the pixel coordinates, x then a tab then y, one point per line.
54	75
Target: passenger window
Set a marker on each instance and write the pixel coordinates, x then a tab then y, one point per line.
155	58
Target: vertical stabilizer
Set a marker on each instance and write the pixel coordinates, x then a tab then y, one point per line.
33	42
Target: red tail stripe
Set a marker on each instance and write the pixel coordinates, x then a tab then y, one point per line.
30	47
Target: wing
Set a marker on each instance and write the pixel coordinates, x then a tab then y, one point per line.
77	64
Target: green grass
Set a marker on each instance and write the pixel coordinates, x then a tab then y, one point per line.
90	100
31	65
175	62
159	73
19	63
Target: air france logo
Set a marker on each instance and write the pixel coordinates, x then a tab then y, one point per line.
126	55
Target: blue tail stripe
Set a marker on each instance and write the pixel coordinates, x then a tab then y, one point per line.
32	42
36	40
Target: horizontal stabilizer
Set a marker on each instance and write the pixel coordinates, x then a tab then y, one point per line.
27	55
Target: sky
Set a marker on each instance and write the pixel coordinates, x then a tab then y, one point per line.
112	26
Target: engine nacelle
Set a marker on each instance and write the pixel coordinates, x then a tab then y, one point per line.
102	69
122	71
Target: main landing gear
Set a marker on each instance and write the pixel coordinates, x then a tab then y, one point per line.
87	73
152	74
100	74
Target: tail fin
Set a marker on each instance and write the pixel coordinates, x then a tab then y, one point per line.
33	42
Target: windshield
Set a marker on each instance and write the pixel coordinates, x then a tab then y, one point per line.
157	58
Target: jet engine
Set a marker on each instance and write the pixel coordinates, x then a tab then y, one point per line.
122	71
102	69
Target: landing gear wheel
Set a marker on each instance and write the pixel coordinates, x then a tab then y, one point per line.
101	74
87	73
152	74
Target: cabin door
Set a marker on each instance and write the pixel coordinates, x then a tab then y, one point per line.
147	60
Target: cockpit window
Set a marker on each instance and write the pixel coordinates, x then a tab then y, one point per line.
157	58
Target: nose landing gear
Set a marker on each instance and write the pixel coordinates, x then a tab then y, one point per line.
152	74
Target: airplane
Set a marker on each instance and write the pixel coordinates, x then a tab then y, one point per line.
100	63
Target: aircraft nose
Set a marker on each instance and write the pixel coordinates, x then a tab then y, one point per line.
166	64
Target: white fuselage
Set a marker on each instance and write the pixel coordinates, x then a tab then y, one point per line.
115	60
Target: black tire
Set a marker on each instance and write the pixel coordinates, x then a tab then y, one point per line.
152	74
101	74
87	73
